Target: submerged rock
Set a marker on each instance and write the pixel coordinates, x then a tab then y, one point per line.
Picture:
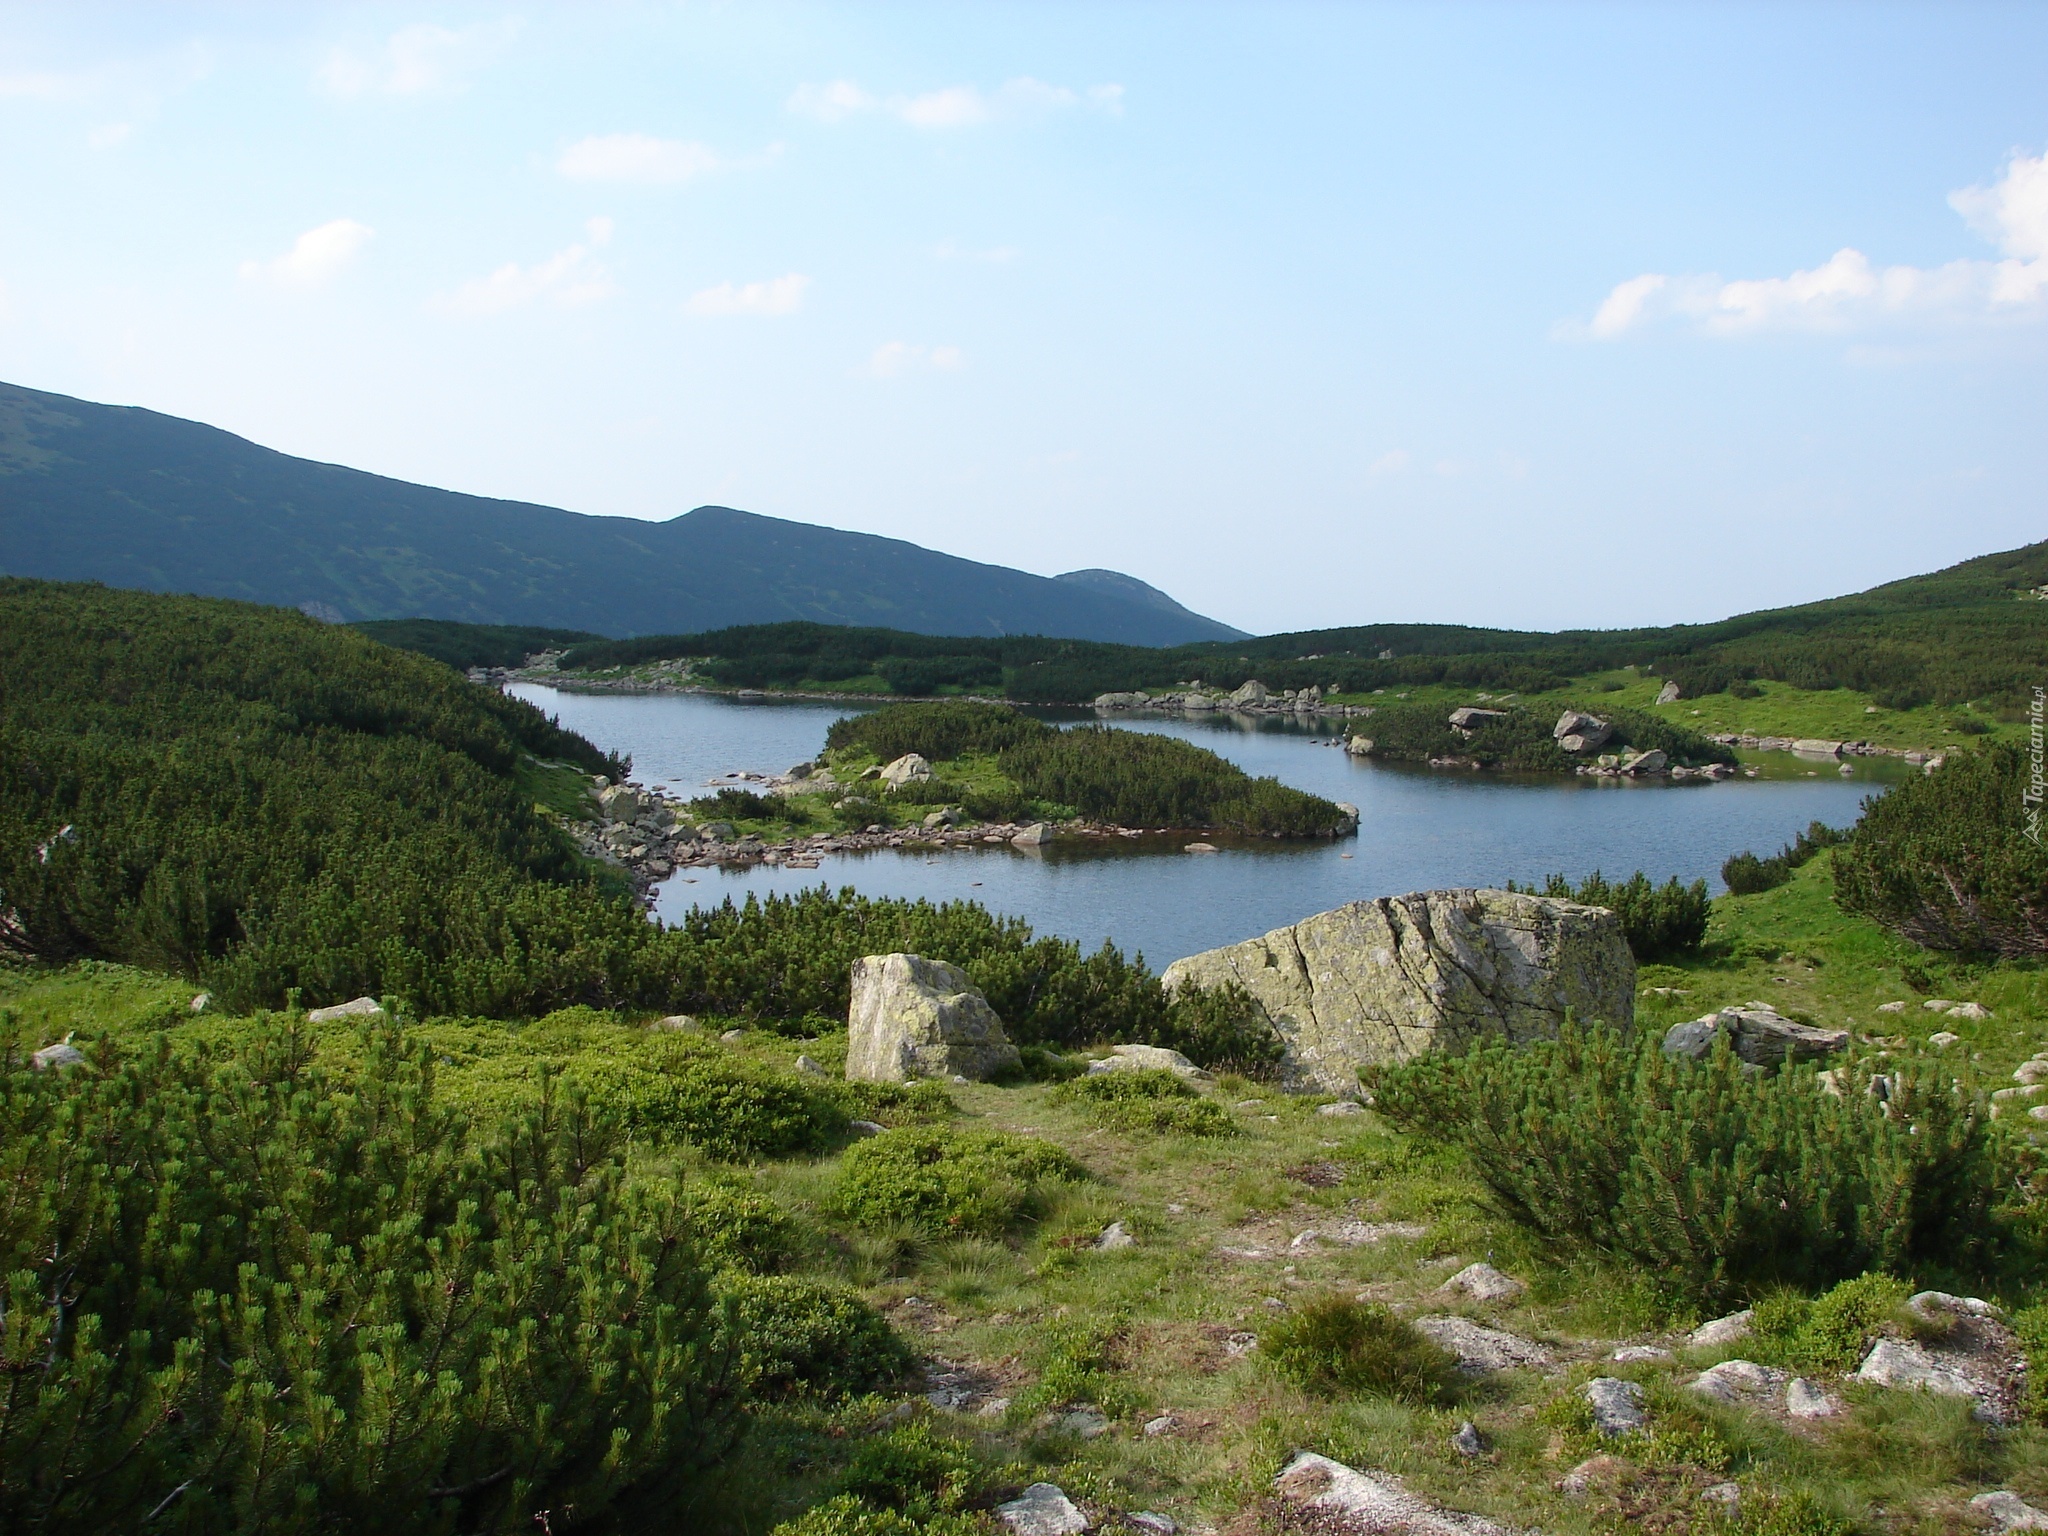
911	1017
1390	979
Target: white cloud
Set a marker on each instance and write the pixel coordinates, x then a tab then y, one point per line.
417	59
314	257
1846	292
635	157
777	296
569	277
893	359
953	106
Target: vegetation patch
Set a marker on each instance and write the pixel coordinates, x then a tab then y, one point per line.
795	1336
1334	1346
943	1183
1659	922
1151	1102
1746	875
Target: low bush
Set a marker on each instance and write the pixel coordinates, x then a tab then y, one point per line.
1713	1180
946	1183
738	805
1337	1347
1747	875
1950	860
846	1515
795	1337
1829	1332
894	1104
1660	922
1221	1028
733	1228
912	1468
1148	1101
728	1107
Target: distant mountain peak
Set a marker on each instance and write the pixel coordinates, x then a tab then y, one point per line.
1132	590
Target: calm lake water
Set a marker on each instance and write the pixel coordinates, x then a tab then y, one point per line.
1418	828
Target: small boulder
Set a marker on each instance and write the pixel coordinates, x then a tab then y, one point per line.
1669	694
1722	1330
1630	1354
1761	1036
1478	1349
1042	1510
1087	1422
810	1068
1904	1363
2007	1511
1656	760
1727	1495
1152	1522
912	1017
910	768
1342	1107
1969	1011
1114	1239
202	1002
1471	719
1617	1405
1733	1380
1595	1472
1942	1039
1037	835
1253	692
357	1008
1482	1282
733	1036
60	1057
1372	1501
1149	1058
1468	1442
1577	731
1165	1424
1897	1007
675	1023
1809	1400
1940	1004
1359	746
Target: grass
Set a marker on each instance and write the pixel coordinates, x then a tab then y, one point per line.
1043	1319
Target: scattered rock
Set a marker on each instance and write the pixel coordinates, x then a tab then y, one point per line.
1942	1039
1353	1233
1617	1405
1761	1036
1114	1239
1733	1380
2031	1071
1969	1011
1389	979
1938	1306
1373	1502
1594	1472
1669	694
57	1058
1722	1330
1629	1354
1898	1007
1088	1423
1576	731
1482	1282
1472	719
810	1068
2009	1512
733	1036
910	768
1238	1345
1165	1424
911	1017
1199	848
1727	1495
202	1002
1149	1058
867	1128
1904	1363
1468	1441
1037	835
1342	1107
1939	1004
1152	1521
357	1008
1480	1350
1656	760
1808	1400
675	1023
1042	1510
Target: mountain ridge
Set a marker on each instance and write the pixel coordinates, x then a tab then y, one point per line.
136	498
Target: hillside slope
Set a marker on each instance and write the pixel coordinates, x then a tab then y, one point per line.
133	498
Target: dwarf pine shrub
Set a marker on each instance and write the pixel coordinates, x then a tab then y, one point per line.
1221	1028
797	1337
735	1228
1148	1101
1827	1332
1714	1180
913	1468
949	1183
1660	922
1337	1347
847	1515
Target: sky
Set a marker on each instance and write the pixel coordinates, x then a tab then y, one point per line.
1526	315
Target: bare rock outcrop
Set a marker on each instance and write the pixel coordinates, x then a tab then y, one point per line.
1391	979
912	1017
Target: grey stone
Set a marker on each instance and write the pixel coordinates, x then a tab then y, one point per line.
1114	1238
1969	1011
810	1068
1592	1472
1630	1354
675	1023
1669	694
356	1008
1088	1423
202	1002
1482	1282
1165	1424
1936	1306
912	1017
1037	835
1120	700
1809	1400
1042	1510
1350	1232
1727	1495
1722	1330
1733	1380
1904	1363
1359	746
1653	761
1151	1520
1617	1405
1342	1107
1577	731
866	1128
1253	692
910	768
1761	1036
733	1036
1942	1039
57	1058
1814	746
2009	1512
1397	977
1373	1501
1478	1349
1144	1058
1468	1441
1472	719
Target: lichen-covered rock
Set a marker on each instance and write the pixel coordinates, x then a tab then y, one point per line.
1761	1036
1391	979
912	1017
355	1008
1617	1405
1371	1501
910	768
1149	1058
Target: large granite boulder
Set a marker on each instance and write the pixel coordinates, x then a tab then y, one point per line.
912	1017
1387	980
910	768
1577	731
1761	1036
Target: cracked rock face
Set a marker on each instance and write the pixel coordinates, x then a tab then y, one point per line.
912	1017
1391	979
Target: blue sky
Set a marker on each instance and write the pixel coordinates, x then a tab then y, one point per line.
1311	314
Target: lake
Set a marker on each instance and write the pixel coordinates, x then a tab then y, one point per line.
1419	828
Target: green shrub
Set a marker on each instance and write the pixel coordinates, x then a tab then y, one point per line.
1078	1363
1949	859
1337	1347
734	1228
731	804
1148	1101
1221	1028
796	1337
730	1108
285	1302
968	1183
1659	922
846	1515
1714	1180
894	1104
1746	875
1830	1332
2030	1326
912	1468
